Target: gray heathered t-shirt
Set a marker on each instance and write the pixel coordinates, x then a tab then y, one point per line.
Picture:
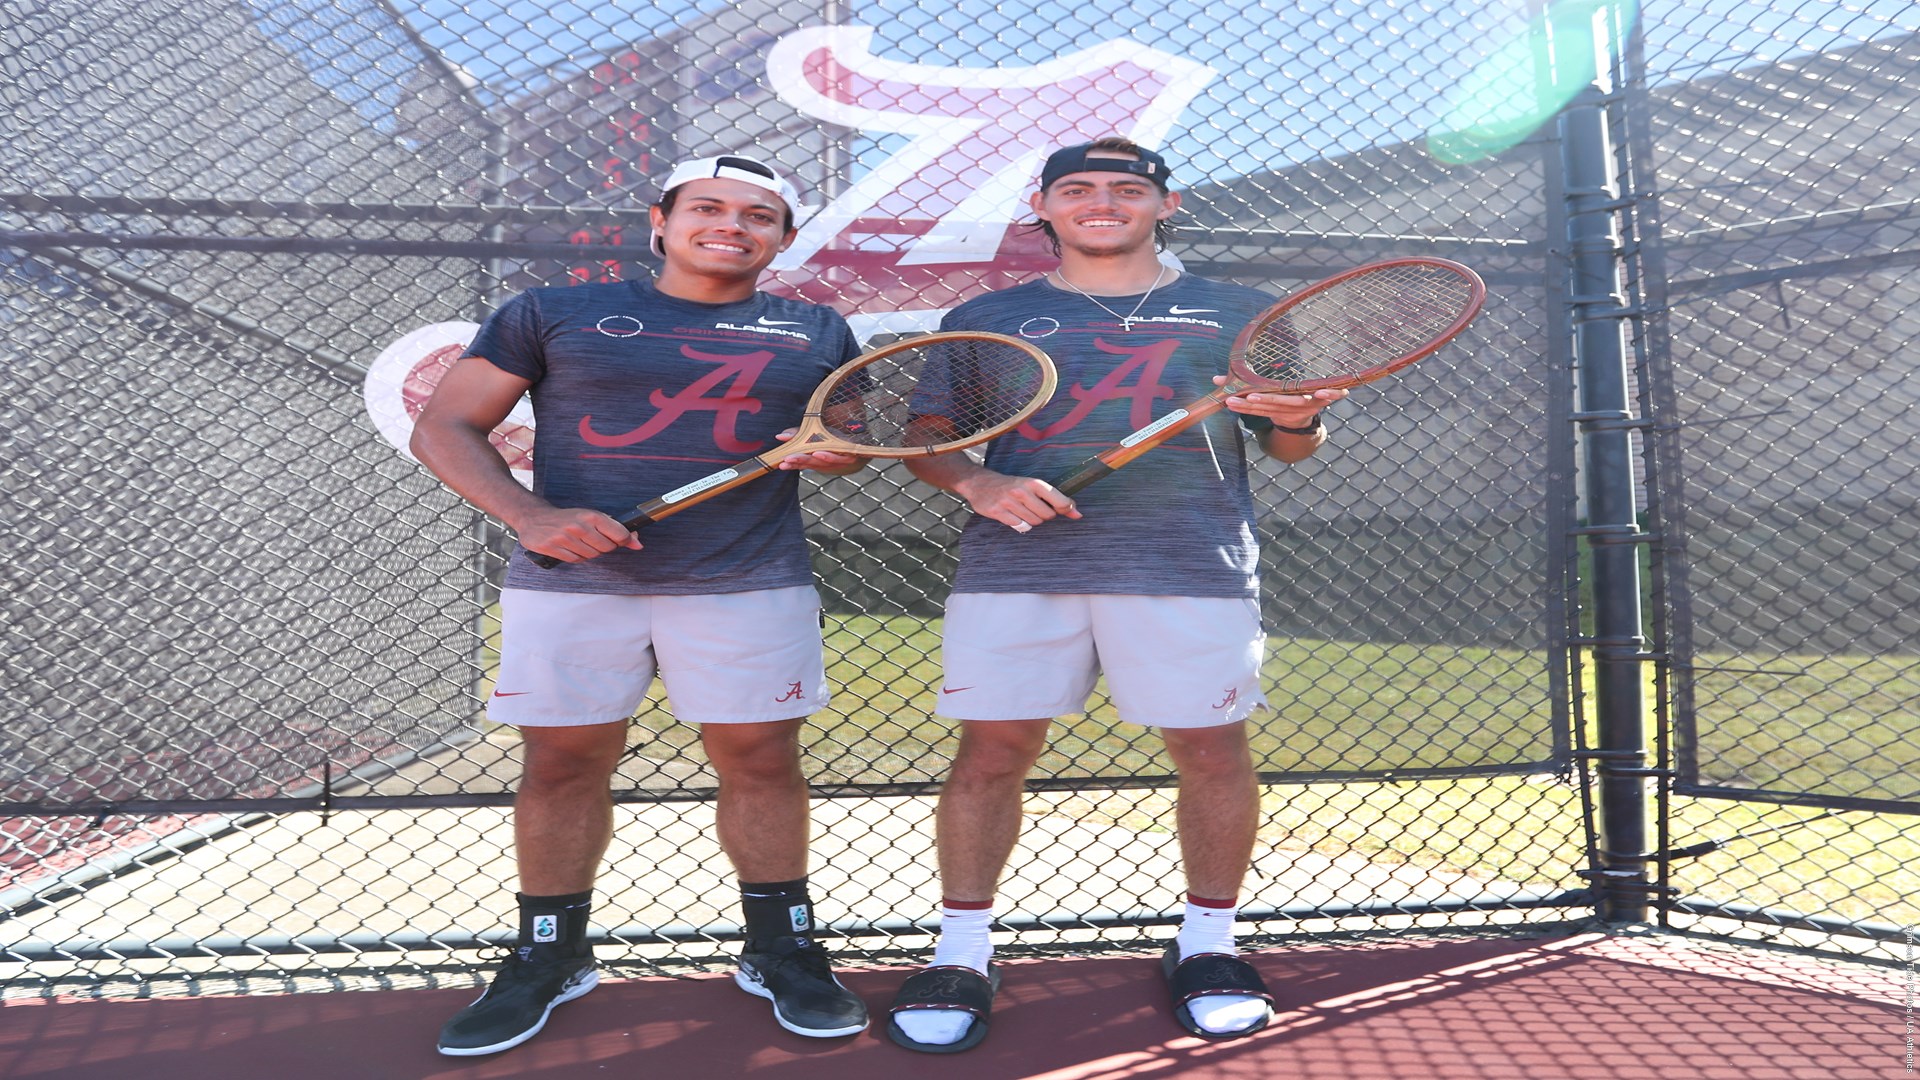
636	393
1176	521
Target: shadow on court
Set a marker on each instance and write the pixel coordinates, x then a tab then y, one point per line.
1610	1008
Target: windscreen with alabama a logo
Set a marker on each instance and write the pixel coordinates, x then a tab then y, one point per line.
404	375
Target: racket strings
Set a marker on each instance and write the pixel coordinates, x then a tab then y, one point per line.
1362	324
923	395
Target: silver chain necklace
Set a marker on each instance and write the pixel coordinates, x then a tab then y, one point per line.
1126	321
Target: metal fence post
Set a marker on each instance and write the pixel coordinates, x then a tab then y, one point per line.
1599	314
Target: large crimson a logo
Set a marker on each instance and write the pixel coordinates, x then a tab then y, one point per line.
1144	365
733	376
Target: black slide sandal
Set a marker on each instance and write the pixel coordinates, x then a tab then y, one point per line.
1211	975
946	988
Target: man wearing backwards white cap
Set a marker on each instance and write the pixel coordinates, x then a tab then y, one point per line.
639	388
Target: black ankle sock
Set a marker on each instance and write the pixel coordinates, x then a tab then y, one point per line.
554	927
776	909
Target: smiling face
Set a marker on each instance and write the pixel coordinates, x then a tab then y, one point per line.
722	229
1104	213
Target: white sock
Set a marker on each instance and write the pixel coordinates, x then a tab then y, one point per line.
963	941
963	938
1205	929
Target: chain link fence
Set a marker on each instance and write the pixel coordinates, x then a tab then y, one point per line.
1778	164
249	638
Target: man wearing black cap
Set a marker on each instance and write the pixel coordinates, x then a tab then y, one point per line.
639	388
1147	577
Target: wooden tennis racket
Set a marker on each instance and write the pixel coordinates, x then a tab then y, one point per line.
1352	328
922	395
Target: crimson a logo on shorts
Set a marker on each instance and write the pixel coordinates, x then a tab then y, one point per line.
794	692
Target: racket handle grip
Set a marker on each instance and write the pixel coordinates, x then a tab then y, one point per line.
1093	470
634	522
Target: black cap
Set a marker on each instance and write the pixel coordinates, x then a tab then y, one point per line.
1074	159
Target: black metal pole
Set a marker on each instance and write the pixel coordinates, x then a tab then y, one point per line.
1599	315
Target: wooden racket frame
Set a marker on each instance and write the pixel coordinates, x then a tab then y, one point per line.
1240	380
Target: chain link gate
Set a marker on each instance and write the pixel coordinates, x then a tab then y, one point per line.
250	638
1777	168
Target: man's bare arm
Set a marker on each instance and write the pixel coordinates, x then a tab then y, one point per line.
451	439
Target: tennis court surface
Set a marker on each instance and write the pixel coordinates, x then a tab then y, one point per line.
1530	1008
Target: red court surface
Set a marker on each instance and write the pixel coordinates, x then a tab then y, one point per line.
1525	1008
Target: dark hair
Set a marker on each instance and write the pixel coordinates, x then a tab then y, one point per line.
1162	229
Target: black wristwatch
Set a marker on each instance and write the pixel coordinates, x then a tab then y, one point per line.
1314	428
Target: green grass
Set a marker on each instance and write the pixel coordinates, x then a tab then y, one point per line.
1830	724
1337	706
1371	706
1379	707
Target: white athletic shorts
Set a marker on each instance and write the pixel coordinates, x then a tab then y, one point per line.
1170	661
570	659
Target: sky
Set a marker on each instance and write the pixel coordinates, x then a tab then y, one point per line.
1294	80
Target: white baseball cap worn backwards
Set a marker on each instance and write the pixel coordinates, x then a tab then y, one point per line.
731	167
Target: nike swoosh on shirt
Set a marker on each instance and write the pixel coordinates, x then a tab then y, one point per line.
764	321
1190	310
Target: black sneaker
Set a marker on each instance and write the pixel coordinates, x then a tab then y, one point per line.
795	975
515	1007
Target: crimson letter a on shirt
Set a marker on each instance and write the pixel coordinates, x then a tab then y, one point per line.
733	376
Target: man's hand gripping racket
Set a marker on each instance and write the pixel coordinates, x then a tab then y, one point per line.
1352	328
924	395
